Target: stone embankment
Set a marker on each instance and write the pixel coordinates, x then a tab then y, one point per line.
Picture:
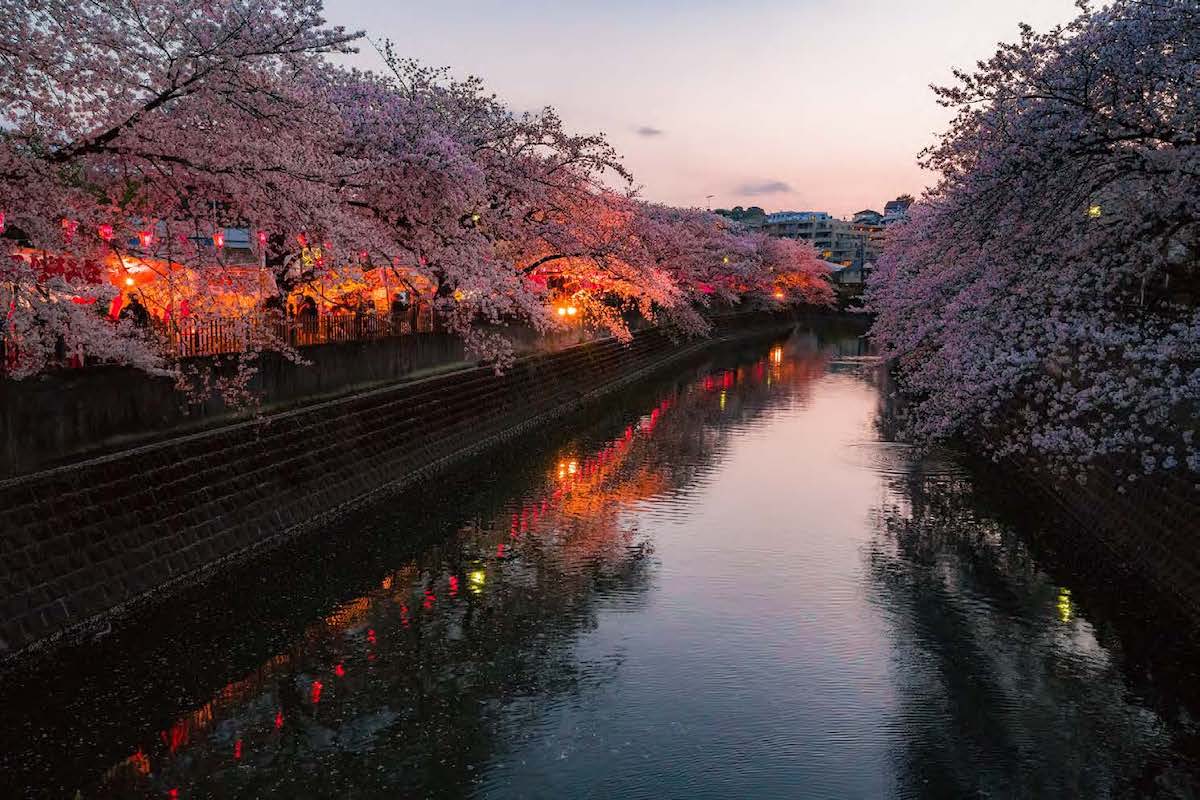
86	540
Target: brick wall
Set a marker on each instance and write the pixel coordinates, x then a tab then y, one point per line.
83	541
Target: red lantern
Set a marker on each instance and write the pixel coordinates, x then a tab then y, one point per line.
69	226
262	238
105	232
1	222
146	239
363	256
302	239
219	239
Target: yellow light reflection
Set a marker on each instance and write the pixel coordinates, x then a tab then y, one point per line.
1066	609
478	578
722	400
777	355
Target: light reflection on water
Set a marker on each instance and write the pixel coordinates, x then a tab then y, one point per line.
723	585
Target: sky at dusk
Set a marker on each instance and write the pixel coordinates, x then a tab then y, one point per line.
785	104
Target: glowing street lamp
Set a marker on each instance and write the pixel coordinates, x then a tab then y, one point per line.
1094	211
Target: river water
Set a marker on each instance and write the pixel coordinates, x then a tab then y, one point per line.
722	584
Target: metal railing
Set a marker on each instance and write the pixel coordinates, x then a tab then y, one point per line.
189	338
195	337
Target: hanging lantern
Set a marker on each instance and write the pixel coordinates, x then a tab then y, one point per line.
364	256
146	239
1	222
302	239
69	227
262	238
105	232
219	239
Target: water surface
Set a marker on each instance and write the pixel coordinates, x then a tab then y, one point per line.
721	584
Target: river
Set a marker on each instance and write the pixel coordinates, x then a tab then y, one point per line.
723	584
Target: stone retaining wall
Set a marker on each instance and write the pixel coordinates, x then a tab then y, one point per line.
86	540
1151	528
65	415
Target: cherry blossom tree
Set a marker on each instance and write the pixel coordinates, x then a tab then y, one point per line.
140	130
148	126
1043	298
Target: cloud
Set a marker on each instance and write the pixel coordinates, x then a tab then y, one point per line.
764	187
648	130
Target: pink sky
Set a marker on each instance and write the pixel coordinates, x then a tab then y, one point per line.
786	104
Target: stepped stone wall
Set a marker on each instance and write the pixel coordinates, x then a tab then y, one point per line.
62	416
1152	527
85	540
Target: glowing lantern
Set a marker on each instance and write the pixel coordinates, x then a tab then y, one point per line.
778	294
69	226
129	281
262	238
1094	211
725	260
340	671
562	312
316	691
458	295
302	239
1	222
146	239
572	311
105	232
474	218
219	239
363	256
